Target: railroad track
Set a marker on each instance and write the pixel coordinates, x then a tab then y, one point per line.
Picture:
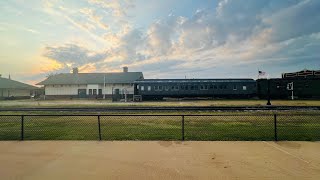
170	108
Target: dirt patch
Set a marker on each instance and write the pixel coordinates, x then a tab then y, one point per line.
289	144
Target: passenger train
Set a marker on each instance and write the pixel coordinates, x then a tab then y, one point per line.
306	85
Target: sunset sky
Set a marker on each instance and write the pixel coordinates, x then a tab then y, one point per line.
161	38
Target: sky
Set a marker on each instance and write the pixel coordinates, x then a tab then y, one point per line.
162	39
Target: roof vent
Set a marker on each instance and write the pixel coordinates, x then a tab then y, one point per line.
75	70
125	69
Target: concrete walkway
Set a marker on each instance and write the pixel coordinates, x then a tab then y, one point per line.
159	160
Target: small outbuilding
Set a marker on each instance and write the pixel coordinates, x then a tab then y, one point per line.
11	89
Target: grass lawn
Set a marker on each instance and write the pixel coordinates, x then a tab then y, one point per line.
246	126
108	103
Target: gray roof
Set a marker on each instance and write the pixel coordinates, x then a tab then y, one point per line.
193	80
12	84
92	78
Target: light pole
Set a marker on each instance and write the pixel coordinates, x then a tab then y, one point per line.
269	98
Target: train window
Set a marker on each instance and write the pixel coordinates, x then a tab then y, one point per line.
160	88
176	88
203	87
220	87
186	87
211	87
182	87
142	88
234	87
244	88
215	87
166	88
149	88
192	87
225	87
172	87
156	88
196	87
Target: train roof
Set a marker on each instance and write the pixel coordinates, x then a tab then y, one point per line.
192	80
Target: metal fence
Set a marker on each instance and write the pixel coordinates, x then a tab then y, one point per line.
161	127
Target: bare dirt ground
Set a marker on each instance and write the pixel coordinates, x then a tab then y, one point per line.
159	160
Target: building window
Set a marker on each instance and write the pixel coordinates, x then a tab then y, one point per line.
234	87
244	88
149	88
100	91
90	91
142	88
94	92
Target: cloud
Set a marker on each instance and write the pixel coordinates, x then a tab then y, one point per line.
94	18
298	20
117	7
74	55
254	33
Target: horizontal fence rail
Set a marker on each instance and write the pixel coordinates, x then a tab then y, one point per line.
161	127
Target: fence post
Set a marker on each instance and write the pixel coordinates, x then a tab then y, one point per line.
22	128
182	127
275	128
99	127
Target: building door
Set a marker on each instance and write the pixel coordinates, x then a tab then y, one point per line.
82	93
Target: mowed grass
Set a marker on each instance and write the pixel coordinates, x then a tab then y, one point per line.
246	127
182	103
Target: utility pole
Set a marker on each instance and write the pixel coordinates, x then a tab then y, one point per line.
292	92
104	87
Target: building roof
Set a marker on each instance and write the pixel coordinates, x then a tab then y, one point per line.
192	80
12	84
302	74
92	78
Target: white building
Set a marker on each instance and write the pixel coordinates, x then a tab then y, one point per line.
11	89
90	85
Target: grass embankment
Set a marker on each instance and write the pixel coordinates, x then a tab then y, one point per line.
248	126
108	103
